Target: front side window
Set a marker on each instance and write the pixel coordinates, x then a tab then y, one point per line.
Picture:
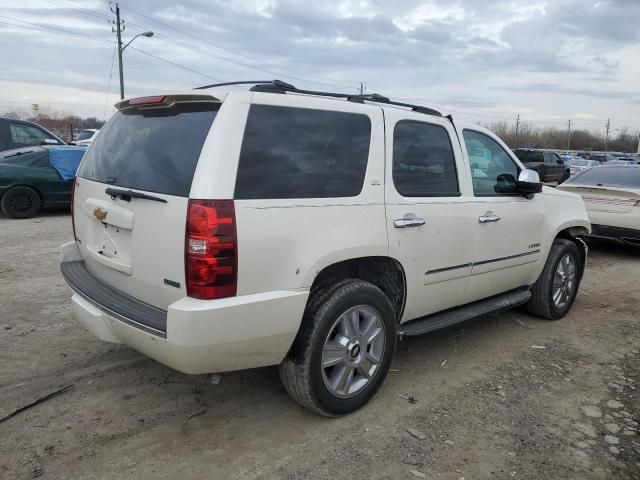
302	153
26	134
493	173
423	161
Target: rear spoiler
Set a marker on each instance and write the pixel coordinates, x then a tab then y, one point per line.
163	101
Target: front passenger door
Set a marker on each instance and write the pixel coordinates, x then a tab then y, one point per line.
507	226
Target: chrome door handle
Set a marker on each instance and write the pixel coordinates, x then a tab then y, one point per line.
408	222
488	217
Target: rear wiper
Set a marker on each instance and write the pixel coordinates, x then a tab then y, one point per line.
127	195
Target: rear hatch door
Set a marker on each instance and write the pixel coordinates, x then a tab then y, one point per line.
132	192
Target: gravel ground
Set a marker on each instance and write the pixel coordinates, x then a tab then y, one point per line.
503	397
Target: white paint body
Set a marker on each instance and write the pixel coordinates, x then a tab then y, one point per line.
284	244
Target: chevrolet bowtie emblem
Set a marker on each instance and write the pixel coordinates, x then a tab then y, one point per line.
100	214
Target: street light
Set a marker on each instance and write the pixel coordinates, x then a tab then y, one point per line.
147	34
144	34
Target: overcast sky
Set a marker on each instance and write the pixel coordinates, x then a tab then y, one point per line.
482	60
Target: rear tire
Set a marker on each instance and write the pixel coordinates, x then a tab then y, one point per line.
565	177
21	202
343	350
553	294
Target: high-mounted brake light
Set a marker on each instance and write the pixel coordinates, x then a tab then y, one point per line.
155	100
211	249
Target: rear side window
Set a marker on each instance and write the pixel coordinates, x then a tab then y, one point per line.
153	150
423	161
620	176
302	153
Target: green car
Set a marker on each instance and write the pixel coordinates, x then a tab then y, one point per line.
29	182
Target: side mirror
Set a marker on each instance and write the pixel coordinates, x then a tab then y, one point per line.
560	161
529	182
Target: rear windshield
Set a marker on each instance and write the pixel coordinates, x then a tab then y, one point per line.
153	150
625	177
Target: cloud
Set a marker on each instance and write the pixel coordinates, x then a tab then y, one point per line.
479	56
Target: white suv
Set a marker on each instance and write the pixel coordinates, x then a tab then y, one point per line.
221	229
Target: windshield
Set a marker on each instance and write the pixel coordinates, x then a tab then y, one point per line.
620	176
85	135
155	150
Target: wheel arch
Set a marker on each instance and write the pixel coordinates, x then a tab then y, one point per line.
382	271
574	234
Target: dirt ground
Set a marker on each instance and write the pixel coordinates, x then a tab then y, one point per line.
507	396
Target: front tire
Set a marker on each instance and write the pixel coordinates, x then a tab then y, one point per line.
20	202
553	294
343	350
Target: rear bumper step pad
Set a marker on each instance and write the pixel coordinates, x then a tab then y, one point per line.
112	301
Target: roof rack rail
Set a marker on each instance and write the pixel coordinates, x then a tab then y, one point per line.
282	87
278	83
278	86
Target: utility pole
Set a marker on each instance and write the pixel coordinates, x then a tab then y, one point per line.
569	136
606	137
119	29
515	141
361	88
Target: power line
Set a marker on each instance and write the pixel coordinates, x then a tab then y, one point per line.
85	10
106	100
260	62
175	64
46	28
59	31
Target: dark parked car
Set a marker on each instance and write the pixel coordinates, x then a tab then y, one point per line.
550	167
29	182
20	133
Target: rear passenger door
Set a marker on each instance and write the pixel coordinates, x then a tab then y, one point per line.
429	212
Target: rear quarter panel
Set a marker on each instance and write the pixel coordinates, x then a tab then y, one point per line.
284	243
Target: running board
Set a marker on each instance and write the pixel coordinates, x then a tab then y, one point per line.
463	313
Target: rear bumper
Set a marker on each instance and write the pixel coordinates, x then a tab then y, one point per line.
200	336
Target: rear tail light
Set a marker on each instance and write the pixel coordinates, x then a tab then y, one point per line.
211	249
73	198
